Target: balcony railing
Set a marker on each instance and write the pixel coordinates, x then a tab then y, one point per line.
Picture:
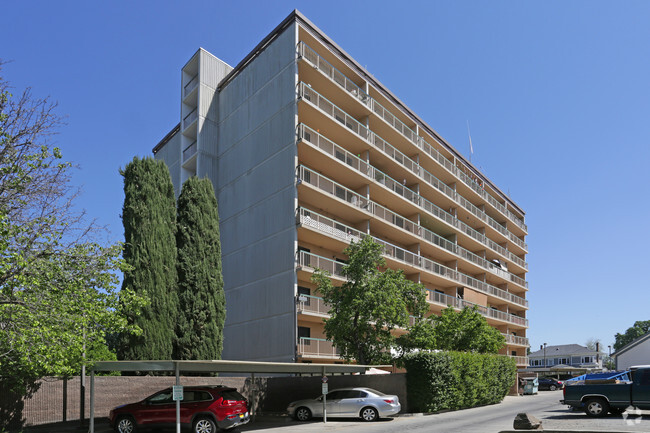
189	151
191	117
450	301
520	360
324	224
310	136
335	75
190	86
314	261
308	94
331	187
513	339
308	304
317	348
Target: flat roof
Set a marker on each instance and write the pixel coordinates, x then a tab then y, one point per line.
226	366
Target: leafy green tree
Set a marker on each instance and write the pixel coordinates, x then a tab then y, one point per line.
637	330
466	331
149	219
199	333
369	305
57	287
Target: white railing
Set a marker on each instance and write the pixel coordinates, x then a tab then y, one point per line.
317	348
310	136
310	95
520	360
308	304
314	220
335	75
513	339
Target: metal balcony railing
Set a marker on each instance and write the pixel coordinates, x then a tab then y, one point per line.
310	95
189	151
513	339
191	85
310	136
317	348
450	301
191	117
520	360
335	75
326	225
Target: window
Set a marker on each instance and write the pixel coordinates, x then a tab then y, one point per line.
306	292
162	397
587	359
305	257
304	334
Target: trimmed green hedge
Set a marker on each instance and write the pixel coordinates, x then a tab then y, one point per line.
457	380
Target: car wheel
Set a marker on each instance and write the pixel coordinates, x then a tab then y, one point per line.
552	387
204	425
369	414
596	407
303	414
125	424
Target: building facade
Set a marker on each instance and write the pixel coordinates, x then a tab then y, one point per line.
566	357
307	151
636	352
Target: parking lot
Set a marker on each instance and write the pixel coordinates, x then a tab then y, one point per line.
487	419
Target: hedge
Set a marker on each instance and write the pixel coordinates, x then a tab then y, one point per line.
457	380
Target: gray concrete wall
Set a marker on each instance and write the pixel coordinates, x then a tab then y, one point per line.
255	183
171	154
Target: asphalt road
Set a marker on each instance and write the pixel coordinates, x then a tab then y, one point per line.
486	419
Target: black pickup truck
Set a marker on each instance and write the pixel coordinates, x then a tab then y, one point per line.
598	397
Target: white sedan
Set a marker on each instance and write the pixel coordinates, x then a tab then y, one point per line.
366	403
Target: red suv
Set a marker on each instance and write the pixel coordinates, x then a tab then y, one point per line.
204	408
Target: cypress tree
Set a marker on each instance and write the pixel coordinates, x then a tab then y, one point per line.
200	281
149	219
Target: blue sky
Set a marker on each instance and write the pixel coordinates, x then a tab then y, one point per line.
556	93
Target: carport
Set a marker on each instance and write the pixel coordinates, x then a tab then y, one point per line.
220	366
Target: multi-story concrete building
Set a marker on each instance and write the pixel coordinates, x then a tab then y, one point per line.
308	151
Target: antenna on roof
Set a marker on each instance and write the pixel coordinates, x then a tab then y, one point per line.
471	148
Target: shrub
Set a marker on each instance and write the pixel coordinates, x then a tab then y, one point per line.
456	380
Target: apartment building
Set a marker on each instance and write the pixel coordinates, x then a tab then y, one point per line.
308	151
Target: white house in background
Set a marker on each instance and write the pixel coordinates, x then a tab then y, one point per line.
635	353
565	356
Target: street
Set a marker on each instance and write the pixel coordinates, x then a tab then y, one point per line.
486	419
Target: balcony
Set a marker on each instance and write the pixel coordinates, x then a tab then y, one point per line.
346	234
324	105
450	301
190	86
317	348
332	188
520	360
189	151
515	340
307	53
190	118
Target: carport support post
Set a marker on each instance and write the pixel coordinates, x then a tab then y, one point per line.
254	396
92	401
178	402
324	403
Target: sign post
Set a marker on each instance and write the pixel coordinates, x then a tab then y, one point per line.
324	392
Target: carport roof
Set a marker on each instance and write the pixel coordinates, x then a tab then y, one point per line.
224	366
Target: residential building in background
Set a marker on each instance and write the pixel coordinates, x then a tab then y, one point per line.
565	358
636	352
307	151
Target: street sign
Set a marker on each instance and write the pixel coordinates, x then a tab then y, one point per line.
324	379
177	392
324	388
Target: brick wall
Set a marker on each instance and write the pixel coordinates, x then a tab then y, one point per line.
271	394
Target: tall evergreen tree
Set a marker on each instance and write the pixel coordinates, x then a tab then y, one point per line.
200	281
149	218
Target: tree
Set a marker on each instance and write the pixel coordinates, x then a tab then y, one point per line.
57	287
466	331
149	219
637	330
369	305
199	333
593	344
